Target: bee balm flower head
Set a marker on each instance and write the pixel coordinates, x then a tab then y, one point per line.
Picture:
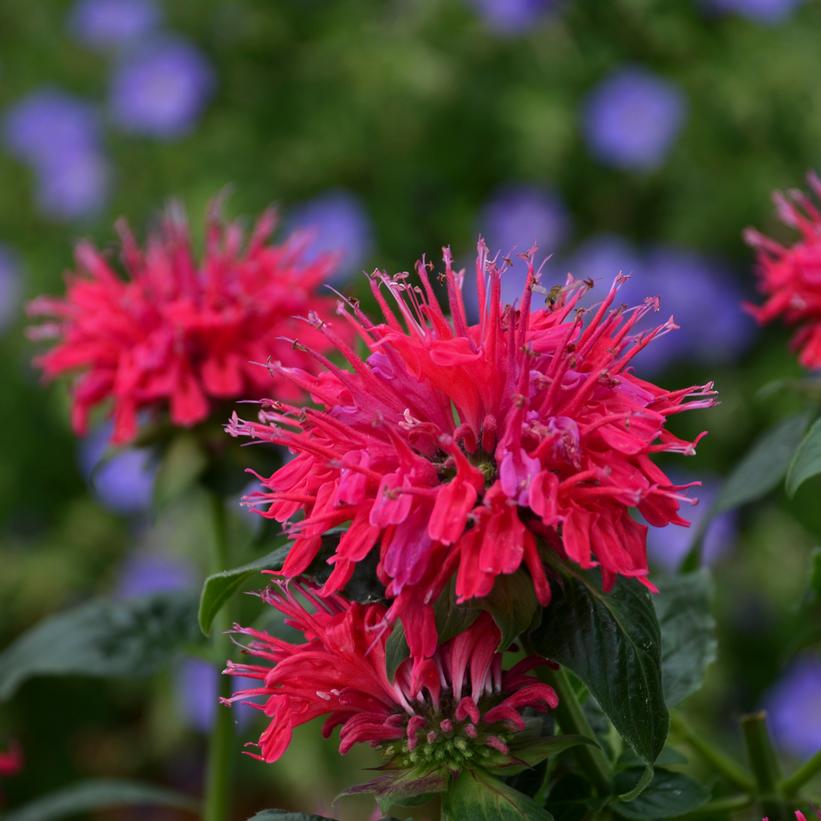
790	275
470	450
179	334
459	708
11	761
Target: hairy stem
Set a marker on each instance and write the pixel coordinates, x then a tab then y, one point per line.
729	804
572	720
764	764
793	783
217	804
711	755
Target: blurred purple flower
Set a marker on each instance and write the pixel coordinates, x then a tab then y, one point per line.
9	286
794	707
338	222
144	573
197	694
631	119
603	256
698	292
125	481
768	12
706	303
72	184
112	23
161	90
48	123
667	546
512	16
58	136
517	216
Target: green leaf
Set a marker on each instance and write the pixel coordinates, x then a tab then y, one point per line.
512	604
763	467
532	751
645	777
98	795
103	638
477	796
571	798
219	588
688	633
183	463
612	642
669	794
806	461
759	472
396	650
452	618
398	786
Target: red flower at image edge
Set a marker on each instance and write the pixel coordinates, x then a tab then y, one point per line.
465	449
460	699
790	276
11	762
177	334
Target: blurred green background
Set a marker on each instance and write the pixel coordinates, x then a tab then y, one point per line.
640	135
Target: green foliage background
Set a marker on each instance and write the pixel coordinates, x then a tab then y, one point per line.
423	112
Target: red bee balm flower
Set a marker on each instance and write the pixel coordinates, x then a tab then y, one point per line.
457	708
466	449
11	761
177	333
791	276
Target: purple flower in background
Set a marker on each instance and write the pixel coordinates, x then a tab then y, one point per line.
9	286
125	481
517	216
794	707
196	686
768	12
144	573
161	90
337	222
601	257
631	119
197	694
512	16
512	221
58	136
705	301
701	295
112	23
73	184
48	123
667	546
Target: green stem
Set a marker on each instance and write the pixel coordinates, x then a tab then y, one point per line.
572	719
217	803
764	764
711	755
730	804
793	783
